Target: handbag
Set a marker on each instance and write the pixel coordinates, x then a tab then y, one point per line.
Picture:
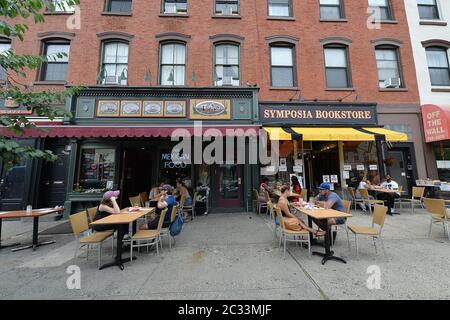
177	225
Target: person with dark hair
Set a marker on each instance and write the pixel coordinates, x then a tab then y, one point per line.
263	187
155	192
107	206
166	200
296	188
183	191
291	221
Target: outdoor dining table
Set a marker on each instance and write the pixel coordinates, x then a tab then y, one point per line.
324	214
35	214
122	220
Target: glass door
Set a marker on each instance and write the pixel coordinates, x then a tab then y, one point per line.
228	186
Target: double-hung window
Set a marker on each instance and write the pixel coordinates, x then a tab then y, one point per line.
381	9
438	66
331	9
388	67
428	9
115	63
57	52
226	7
280	8
226	72
175	6
282	66
173	64
336	67
118	6
4	46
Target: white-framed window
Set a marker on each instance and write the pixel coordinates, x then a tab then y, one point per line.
55	69
115	62
5	45
282	65
226	7
331	9
438	66
62	6
226	69
173	64
336	67
118	5
280	8
382	8
174	7
388	67
428	9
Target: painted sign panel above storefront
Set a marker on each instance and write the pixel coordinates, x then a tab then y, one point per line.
436	122
318	114
210	109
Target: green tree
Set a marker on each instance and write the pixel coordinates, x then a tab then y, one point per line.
14	16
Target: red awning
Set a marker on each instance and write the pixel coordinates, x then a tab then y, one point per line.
134	132
436	122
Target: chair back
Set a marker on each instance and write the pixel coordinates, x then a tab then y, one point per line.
379	215
400	188
144	197
304	195
173	215
266	196
91	213
161	220
417	192
364	193
256	194
194	200
135	201
280	217
79	222
182	201
347	205
435	206
271	209
351	192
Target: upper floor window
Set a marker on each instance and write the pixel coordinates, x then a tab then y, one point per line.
175	6
115	63
4	46
382	9
438	66
389	75
282	66
226	69
118	6
227	7
61	6
173	64
57	52
331	9
280	8
428	9
336	67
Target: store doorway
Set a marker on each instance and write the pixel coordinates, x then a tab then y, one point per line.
136	174
228	186
325	164
399	164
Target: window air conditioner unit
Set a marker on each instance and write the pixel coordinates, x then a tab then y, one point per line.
227	81
111	80
227	11
392	83
172	8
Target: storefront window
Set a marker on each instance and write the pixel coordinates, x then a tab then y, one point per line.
442	153
13	182
360	160
175	167
97	167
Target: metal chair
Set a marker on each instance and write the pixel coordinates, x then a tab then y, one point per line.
135	201
165	232
365	196
416	198
438	214
272	213
351	193
347	205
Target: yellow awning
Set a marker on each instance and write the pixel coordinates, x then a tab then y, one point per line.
332	134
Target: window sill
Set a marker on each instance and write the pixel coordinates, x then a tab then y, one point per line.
125	14
218	16
59	13
340	89
432	23
49	83
174	15
284	88
334	20
393	89
385	21
281	18
440	89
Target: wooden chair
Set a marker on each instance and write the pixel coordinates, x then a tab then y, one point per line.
135	201
347	205
304	195
144	198
287	235
272	213
438	214
416	198
379	216
80	225
267	198
351	193
369	202
91	213
150	237
259	205
190	208
165	232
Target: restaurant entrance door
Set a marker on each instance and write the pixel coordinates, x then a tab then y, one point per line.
228	188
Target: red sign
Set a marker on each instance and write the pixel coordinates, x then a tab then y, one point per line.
436	122
15	111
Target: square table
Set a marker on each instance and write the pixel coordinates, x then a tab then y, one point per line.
324	214
122	219
35	214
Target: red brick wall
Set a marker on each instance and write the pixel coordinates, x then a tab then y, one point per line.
145	23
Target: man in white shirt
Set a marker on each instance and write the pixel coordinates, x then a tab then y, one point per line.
390	197
364	184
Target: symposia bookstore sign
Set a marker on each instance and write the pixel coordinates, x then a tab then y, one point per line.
324	114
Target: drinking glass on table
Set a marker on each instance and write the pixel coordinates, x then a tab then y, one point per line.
312	200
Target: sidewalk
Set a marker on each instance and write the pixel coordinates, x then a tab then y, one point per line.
233	256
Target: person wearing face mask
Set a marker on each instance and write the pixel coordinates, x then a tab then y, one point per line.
390	197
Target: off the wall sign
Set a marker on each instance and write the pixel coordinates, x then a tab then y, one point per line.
436	123
326	114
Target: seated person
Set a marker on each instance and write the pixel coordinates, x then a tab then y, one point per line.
167	200
330	200
107	206
263	188
389	197
291	221
364	184
183	191
296	188
155	193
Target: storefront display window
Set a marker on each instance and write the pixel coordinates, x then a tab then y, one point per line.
442	153
97	168
360	160
175	167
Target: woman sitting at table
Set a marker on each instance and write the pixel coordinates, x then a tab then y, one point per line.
264	187
183	191
296	188
107	206
291	221
155	193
